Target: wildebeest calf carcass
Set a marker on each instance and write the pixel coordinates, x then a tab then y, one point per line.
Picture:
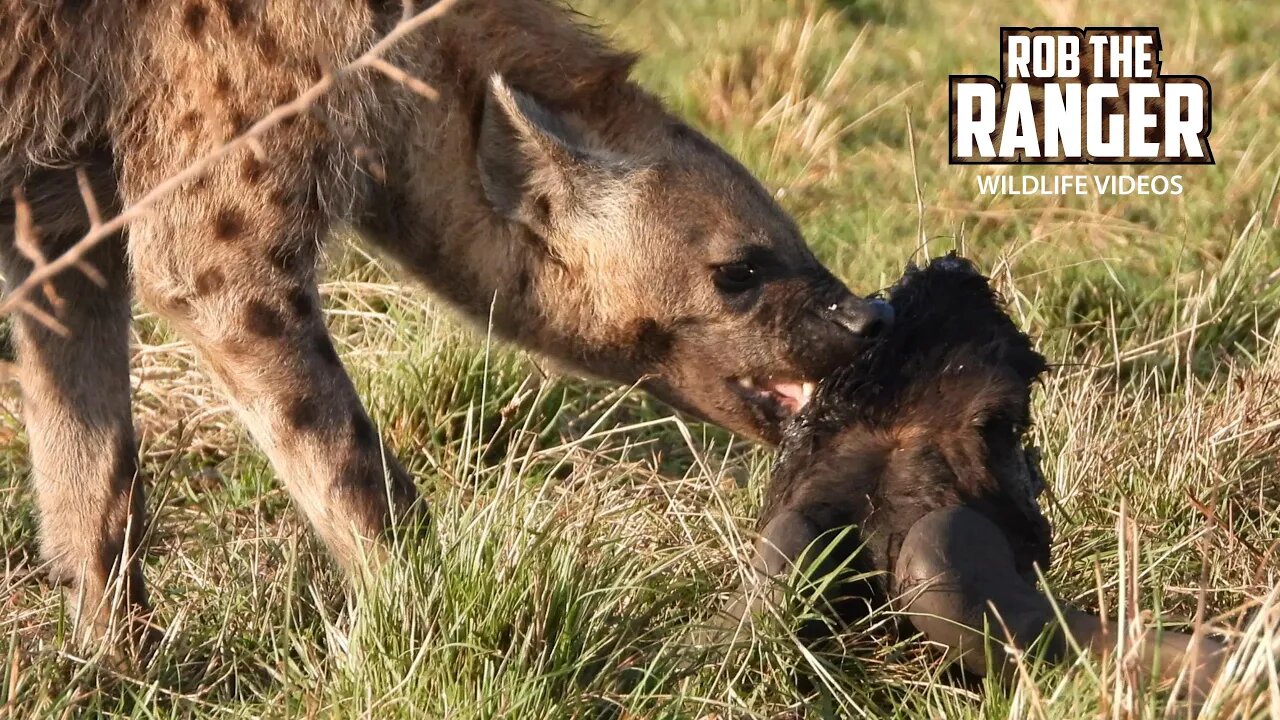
913	459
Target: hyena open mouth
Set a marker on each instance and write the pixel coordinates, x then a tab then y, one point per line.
777	399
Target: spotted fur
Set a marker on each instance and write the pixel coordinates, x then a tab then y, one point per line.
543	189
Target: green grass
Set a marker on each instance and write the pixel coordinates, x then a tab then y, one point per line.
578	531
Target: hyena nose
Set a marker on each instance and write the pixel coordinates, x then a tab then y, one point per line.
864	318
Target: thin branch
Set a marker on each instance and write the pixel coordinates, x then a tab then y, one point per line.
74	256
87	197
404	78
44	318
27	242
95	219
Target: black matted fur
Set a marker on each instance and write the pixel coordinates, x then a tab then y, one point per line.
931	415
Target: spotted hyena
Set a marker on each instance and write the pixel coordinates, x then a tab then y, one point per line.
542	189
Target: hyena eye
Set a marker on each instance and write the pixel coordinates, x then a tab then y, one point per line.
736	277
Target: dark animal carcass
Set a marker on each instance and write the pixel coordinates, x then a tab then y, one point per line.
916	451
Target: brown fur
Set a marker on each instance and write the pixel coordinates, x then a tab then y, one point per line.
543	185
930	416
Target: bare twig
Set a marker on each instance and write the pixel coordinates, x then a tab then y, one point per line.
95	219
42	317
404	78
27	243
87	197
74	256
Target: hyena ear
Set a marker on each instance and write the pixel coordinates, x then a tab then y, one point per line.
533	162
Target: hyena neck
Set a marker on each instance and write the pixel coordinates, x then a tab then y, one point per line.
432	213
496	274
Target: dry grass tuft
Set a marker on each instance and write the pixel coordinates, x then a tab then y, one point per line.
785	88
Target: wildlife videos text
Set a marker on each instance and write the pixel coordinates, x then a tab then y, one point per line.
1005	184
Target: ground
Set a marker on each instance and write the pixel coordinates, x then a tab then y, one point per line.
580	529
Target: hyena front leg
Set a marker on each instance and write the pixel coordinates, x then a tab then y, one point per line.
75	403
237	278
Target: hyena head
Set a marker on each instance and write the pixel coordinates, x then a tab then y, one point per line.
684	273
